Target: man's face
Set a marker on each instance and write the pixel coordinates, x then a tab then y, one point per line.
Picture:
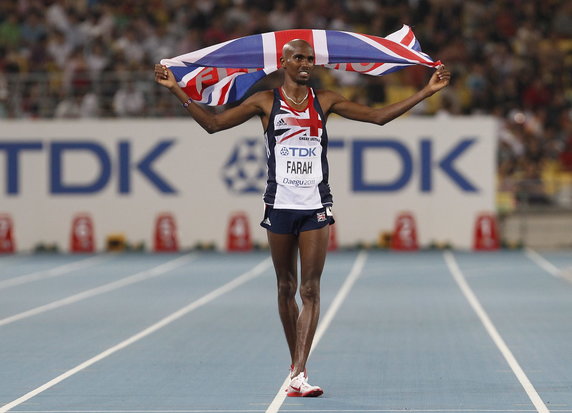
298	61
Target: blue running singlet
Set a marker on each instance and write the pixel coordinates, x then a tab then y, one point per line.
296	145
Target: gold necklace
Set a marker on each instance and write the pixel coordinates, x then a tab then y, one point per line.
289	98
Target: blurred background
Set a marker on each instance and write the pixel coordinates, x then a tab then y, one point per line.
510	59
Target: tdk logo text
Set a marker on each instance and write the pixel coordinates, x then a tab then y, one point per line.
427	164
298	152
118	161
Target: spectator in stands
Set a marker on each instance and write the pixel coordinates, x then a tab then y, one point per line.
96	59
280	18
57	16
566	156
10	32
128	100
562	24
130	45
33	28
78	104
59	49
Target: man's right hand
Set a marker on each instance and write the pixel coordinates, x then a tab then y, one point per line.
165	77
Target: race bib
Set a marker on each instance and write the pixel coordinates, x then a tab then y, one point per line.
298	166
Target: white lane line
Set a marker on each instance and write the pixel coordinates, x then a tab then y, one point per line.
324	324
205	299
404	410
53	272
543	263
132	279
494	334
297	411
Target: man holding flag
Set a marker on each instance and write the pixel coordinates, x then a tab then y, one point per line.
298	199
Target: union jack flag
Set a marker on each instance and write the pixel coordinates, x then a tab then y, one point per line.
224	72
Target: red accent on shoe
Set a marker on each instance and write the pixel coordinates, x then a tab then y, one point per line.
311	393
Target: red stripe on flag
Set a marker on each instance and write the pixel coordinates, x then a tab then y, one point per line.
408	37
224	92
191	90
284	36
204	78
398	49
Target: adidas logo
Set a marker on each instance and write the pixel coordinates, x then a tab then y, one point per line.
281	122
267	221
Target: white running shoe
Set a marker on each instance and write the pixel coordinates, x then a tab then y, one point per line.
299	387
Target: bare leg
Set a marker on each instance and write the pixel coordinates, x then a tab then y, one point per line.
313	248
284	251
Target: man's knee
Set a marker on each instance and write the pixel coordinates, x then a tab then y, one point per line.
286	288
310	291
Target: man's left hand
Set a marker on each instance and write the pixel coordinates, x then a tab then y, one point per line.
439	80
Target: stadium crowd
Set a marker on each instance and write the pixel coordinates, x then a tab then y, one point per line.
509	58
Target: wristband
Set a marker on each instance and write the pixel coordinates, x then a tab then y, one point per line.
187	103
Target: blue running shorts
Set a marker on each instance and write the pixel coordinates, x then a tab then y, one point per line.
294	221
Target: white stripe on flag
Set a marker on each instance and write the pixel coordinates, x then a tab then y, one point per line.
215	90
269	49
384	68
196	55
380	47
270	69
399	35
172	63
320	47
189	76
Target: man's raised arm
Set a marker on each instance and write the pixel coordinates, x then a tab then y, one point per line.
211	122
351	110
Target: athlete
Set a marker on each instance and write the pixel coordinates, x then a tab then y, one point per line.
298	199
